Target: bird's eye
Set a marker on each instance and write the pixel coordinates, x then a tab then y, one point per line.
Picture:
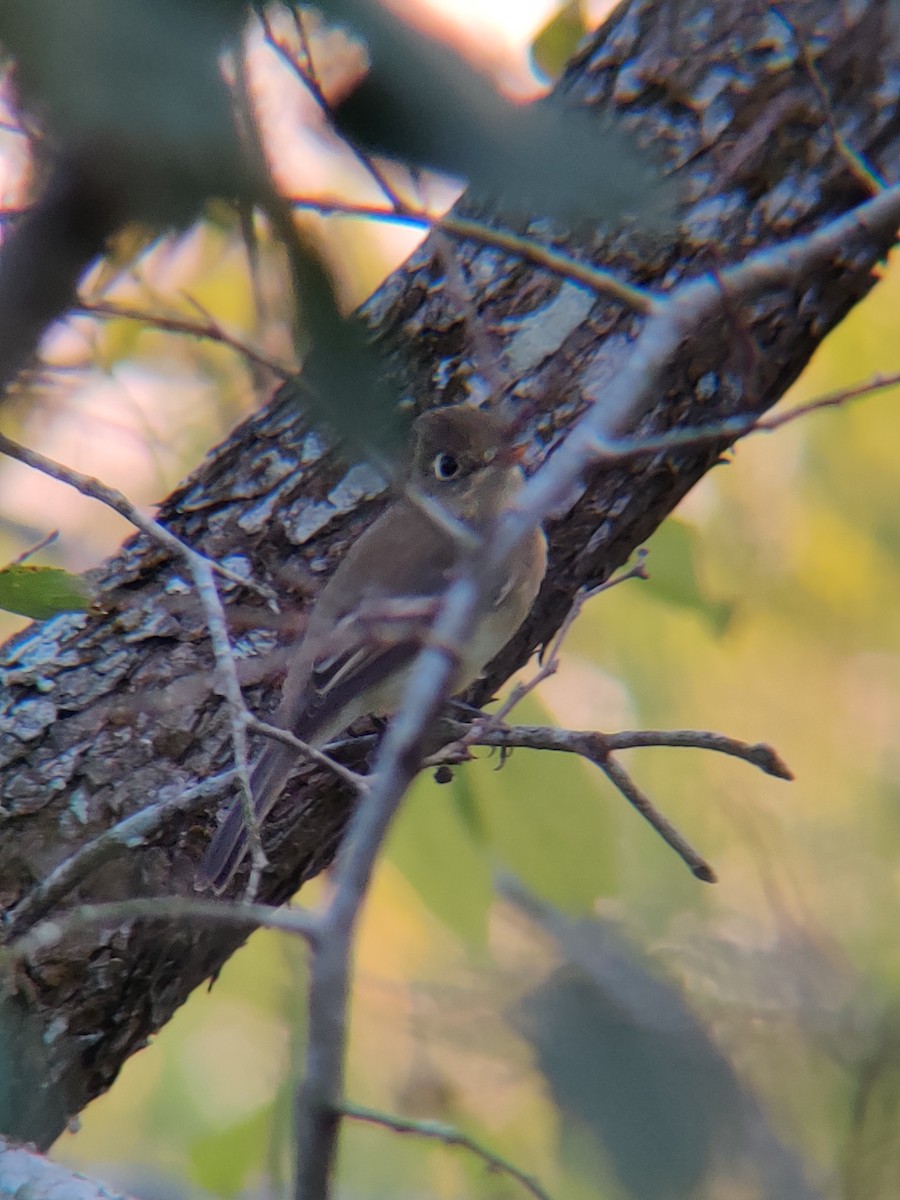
446	466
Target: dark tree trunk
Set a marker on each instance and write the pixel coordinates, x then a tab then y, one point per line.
102	715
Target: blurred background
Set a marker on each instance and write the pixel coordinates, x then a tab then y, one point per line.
770	615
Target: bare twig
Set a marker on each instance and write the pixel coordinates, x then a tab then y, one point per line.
861	170
731	429
208	329
202	572
550	664
95	489
595	279
758	754
595	745
598	749
320	1094
619	777
307	74
48	934
450	1136
141	827
138	829
836	399
30	551
359	783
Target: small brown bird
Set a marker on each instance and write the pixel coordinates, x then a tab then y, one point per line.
373	615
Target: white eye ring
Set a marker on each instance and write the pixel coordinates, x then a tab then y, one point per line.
446	466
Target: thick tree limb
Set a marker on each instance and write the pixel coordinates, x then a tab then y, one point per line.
99	715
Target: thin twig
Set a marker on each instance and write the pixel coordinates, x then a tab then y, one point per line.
758	754
551	661
359	783
320	1095
595	279
141	827
209	329
48	934
593	744
334	207
731	429
202	572
112	498
598	749
36	548
861	170
307	74
450	1136
619	777
138	829
836	399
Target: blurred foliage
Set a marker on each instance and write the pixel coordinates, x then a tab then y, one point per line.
629	1064
23	1057
140	84
343	385
422	103
676	553
872	1160
558	40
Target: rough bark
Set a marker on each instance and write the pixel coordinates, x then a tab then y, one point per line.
24	1173
100	715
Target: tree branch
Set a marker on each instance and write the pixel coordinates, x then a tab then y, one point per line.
450	1136
24	1173
208	330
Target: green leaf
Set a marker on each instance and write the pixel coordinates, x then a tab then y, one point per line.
344	383
633	1071
41	592
535	812
435	847
224	1161
872	1156
557	41
674	553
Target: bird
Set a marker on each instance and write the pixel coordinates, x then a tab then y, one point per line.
372	616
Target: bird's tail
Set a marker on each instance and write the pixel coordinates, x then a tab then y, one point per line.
229	845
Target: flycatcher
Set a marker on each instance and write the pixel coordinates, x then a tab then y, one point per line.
373	615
